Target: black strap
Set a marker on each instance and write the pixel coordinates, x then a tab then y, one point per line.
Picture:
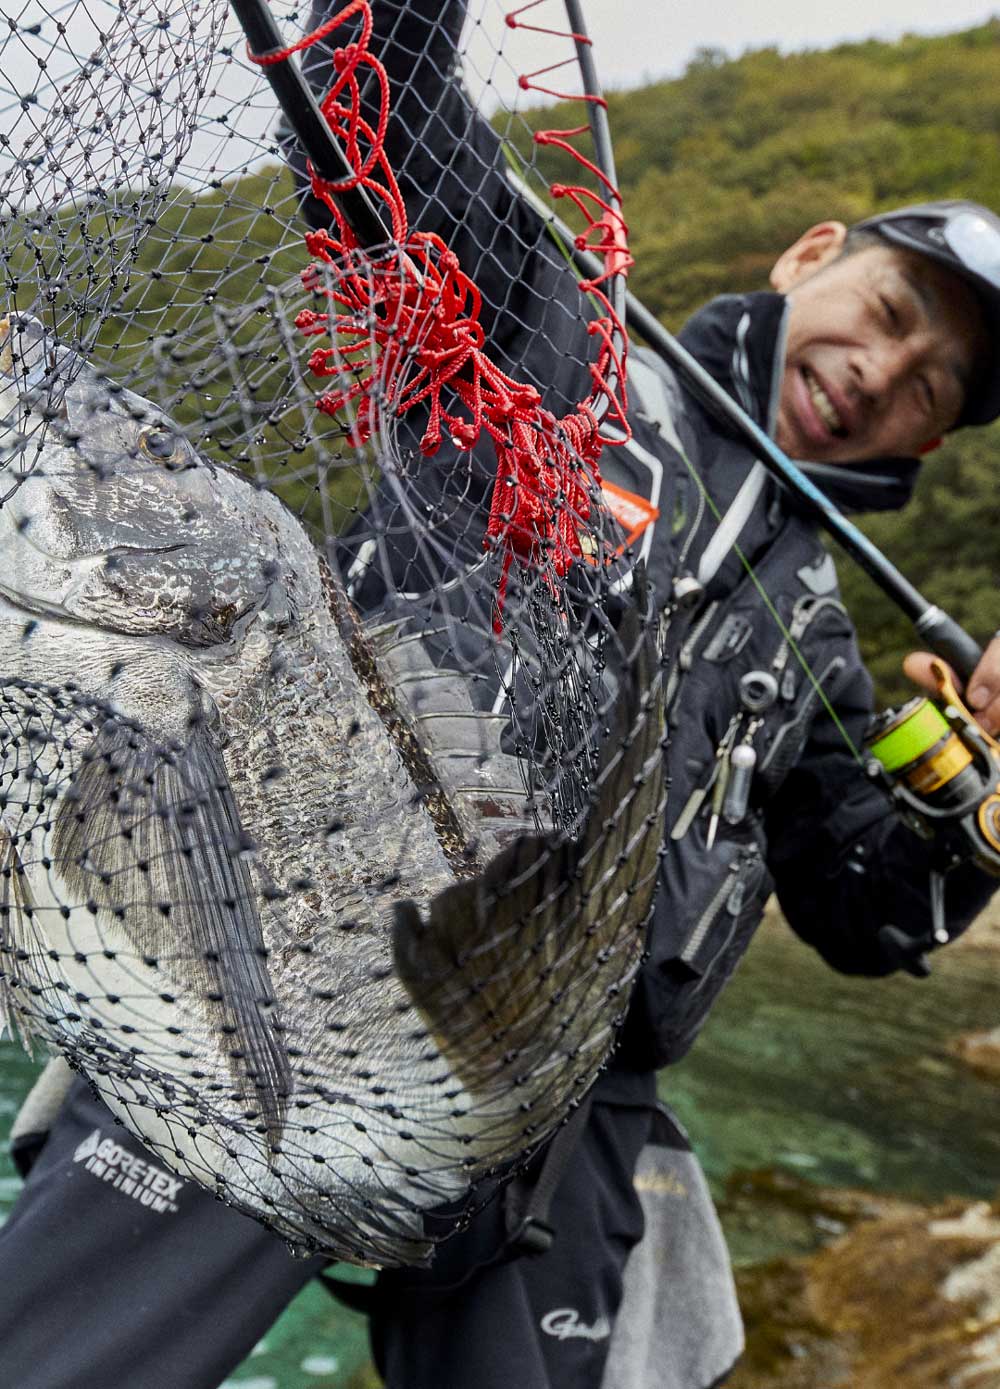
527	1198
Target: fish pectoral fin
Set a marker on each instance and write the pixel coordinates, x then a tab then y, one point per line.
153	836
16	939
526	968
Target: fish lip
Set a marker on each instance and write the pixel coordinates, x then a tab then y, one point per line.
113	553
59	610
111	557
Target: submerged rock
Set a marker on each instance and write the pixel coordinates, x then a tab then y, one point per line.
981	1051
898	1295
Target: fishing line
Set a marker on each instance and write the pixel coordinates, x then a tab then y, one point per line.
779	621
940	631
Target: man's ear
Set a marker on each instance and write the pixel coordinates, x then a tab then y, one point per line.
814	249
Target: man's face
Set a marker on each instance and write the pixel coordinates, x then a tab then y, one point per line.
881	346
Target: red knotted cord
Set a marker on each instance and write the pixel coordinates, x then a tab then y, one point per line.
407	327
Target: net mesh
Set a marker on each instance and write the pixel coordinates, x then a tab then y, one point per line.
330	770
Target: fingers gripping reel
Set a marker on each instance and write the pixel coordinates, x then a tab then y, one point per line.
942	772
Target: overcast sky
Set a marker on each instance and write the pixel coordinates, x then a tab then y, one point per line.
635	41
640	40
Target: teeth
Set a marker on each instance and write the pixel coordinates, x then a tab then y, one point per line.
825	407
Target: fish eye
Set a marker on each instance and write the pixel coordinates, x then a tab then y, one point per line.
161	444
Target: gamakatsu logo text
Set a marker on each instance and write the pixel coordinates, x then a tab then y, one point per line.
132	1176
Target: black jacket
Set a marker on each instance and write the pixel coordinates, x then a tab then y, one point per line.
817	832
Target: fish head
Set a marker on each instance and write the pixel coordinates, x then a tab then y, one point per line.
116	520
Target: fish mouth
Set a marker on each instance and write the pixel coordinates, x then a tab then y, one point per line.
56	606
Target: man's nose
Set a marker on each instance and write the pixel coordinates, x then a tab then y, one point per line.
882	367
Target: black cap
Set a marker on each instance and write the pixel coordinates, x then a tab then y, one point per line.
965	238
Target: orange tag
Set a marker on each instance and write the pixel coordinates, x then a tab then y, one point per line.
632	512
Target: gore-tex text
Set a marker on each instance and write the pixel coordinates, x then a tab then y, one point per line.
133	1176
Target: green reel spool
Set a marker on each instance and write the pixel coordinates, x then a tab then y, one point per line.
913	732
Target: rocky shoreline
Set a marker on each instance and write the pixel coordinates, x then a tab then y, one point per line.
886	1293
981	1050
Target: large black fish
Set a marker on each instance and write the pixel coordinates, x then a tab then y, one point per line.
268	877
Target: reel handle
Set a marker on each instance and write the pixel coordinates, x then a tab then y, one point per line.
950	641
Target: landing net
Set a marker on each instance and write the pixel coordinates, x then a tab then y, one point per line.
330	771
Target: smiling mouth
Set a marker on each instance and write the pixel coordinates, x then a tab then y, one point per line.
824	406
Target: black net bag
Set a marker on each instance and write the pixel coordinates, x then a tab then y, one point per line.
330	719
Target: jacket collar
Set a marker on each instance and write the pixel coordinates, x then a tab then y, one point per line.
740	340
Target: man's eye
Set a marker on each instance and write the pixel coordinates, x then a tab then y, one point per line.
925	392
890	311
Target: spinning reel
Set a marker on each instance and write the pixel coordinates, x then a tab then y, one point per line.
942	772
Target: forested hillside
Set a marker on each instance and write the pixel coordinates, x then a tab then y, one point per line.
724	167
727	165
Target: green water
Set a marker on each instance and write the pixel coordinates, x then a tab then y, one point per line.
848	1082
845	1082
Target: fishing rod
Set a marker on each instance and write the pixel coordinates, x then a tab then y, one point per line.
941	632
940	768
931	758
309	126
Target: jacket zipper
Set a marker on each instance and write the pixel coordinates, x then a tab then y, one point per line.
805	612
683	663
711	913
731	895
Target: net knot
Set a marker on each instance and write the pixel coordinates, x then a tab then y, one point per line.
309	321
347	57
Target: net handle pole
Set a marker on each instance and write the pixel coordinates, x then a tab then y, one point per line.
309	125
941	633
600	131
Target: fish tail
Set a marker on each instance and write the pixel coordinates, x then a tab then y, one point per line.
522	974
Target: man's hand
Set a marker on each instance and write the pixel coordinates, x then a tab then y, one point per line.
982	693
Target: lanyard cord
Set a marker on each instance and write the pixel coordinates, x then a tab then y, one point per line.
730	526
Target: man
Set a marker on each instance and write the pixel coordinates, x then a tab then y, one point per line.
873	344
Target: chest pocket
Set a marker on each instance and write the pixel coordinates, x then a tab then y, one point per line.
711	900
809	665
709	906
